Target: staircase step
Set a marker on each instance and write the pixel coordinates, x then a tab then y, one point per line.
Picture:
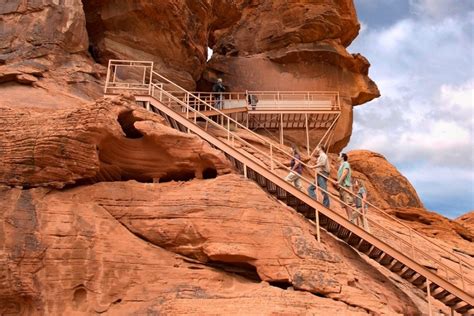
385	260
342	232
406	273
451	300
353	240
375	253
417	280
440	294
467	310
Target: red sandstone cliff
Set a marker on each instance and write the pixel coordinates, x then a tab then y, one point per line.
84	230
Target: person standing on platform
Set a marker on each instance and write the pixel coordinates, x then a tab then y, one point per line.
219	88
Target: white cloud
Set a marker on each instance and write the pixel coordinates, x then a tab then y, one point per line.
425	118
441	8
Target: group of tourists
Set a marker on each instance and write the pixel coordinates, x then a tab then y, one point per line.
351	194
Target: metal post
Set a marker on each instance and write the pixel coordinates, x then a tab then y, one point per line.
307	133
281	129
318	234
228	129
271	157
107	78
316	184
429	296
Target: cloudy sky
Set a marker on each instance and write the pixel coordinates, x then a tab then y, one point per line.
422	58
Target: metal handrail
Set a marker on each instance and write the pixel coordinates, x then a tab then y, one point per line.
281	165
232	136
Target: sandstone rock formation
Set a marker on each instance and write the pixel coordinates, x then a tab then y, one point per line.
388	186
173	34
103	141
44	44
467	220
296	46
63	254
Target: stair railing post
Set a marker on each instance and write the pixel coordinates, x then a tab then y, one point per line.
245	171
428	291
228	129
318	233
316	188
187	111
271	157
195	117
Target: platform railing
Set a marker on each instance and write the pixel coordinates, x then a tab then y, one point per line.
406	239
275	100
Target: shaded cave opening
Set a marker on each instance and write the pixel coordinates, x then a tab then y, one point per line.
282	284
243	269
184	175
126	121
209	173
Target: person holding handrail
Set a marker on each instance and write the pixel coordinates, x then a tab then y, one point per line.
296	168
344	183
219	88
322	170
361	203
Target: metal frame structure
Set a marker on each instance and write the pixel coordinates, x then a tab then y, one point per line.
399	252
275	111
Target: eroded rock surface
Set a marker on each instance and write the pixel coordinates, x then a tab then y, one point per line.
60	257
110	140
44	44
389	186
173	34
295	46
257	238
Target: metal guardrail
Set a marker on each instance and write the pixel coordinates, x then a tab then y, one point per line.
182	99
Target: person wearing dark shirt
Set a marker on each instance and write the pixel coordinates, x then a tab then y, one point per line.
219	88
296	169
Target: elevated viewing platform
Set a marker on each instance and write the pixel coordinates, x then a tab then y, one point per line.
274	112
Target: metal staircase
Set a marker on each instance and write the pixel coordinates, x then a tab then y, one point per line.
442	274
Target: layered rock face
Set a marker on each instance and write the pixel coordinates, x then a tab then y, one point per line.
67	253
263	45
296	46
44	43
173	34
102	141
389	187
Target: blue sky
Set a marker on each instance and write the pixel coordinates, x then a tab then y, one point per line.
422	58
